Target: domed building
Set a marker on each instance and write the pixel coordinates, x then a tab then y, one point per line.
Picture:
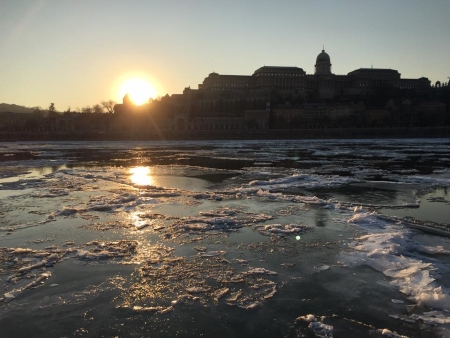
323	64
322	84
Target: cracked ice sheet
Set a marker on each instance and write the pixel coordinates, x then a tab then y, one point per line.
166	281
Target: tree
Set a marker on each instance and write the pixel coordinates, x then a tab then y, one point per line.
52	110
38	112
97	109
108	106
86	110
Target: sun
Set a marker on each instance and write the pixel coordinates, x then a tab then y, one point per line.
139	90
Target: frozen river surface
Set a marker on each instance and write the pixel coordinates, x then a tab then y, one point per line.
225	239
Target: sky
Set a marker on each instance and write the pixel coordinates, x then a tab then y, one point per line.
76	53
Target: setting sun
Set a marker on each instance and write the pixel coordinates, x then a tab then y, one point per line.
139	90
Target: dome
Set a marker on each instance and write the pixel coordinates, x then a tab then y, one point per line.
127	99
323	64
323	57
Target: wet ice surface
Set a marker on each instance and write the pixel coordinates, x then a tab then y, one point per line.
266	238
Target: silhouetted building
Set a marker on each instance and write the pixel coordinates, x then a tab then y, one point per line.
281	97
323	82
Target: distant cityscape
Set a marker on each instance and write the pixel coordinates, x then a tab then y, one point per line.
272	98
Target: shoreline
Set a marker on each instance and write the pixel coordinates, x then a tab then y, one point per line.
275	134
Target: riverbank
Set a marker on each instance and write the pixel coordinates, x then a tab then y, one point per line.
337	133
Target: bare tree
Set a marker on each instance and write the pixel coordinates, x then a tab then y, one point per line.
108	106
97	109
86	110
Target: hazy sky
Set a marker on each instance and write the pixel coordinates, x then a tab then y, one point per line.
77	52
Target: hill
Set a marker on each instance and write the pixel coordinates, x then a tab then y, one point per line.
14	108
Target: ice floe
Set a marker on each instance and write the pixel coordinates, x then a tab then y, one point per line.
280	230
390	248
321	330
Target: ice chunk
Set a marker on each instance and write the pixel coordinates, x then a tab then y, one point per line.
434	298
211	253
68	211
322	268
432	317
308	318
141	226
261	271
433	250
51	193
153	309
279	229
390	334
218	294
397	301
219	212
412	269
197	289
21	251
106	250
9	296
321	330
367	219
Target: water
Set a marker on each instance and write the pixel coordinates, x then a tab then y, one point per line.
225	238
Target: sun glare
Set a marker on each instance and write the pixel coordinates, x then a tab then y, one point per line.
141	176
139	90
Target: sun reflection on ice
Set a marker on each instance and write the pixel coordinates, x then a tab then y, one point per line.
141	176
138	222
